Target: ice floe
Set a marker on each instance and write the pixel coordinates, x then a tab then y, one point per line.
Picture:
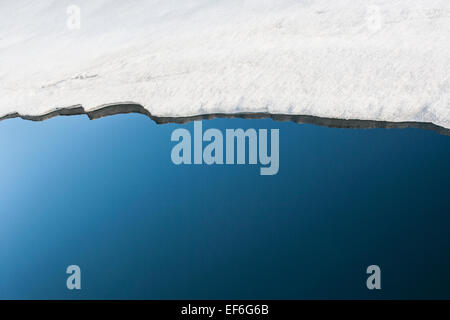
383	60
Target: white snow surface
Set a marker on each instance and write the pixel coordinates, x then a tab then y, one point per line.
327	58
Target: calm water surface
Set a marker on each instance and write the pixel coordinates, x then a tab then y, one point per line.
106	196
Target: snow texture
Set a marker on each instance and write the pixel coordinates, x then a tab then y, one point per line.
349	59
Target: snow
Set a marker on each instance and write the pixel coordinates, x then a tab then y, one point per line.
351	59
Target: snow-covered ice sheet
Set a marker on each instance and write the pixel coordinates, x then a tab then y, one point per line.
350	59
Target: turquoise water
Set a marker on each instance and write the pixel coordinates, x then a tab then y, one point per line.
106	196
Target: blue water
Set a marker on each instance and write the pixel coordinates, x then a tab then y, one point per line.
106	196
